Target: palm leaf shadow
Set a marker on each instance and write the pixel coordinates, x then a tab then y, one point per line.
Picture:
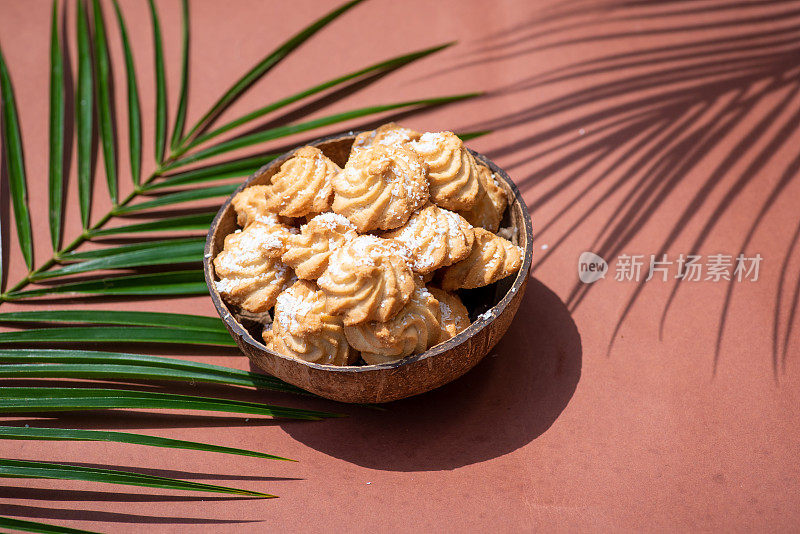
655	118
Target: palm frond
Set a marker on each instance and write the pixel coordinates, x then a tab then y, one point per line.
264	66
170	252
32	399
171	283
83	113
466	136
200	221
61	434
220	171
382	67
131	318
285	131
120	365
134	113
179	197
27	469
180	114
113	251
57	110
166	186
41	528
12	146
117	334
161	85
104	96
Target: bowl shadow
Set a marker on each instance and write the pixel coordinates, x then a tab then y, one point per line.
509	399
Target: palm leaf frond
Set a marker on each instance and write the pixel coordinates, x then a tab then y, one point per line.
57	111
179	197
291	129
83	113
114	334
161	84
134	113
113	251
94	100
104	96
466	136
382	67
22	399
200	221
170	252
265	65
125	365
27	469
220	171
12	147
172	283
41	528
180	114
60	434
130	318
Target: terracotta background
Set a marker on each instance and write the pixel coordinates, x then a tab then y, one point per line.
631	127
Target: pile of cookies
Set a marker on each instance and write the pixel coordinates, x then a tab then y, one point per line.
363	262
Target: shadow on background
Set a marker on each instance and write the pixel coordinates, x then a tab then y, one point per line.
697	100
513	396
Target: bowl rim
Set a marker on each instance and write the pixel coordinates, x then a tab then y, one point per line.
481	322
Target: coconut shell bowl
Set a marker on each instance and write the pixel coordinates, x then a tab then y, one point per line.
491	309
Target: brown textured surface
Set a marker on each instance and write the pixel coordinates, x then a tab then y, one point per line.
552	431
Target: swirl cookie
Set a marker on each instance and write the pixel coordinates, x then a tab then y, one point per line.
303	329
390	133
454	315
491	204
367	279
492	258
250	205
452	171
302	186
415	328
435	237
308	252
250	272
380	187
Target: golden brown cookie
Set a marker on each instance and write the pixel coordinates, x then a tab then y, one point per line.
250	205
491	204
390	133
303	329
250	272
302	186
492	258
452	171
380	187
454	315
308	252
367	279
415	328
435	237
